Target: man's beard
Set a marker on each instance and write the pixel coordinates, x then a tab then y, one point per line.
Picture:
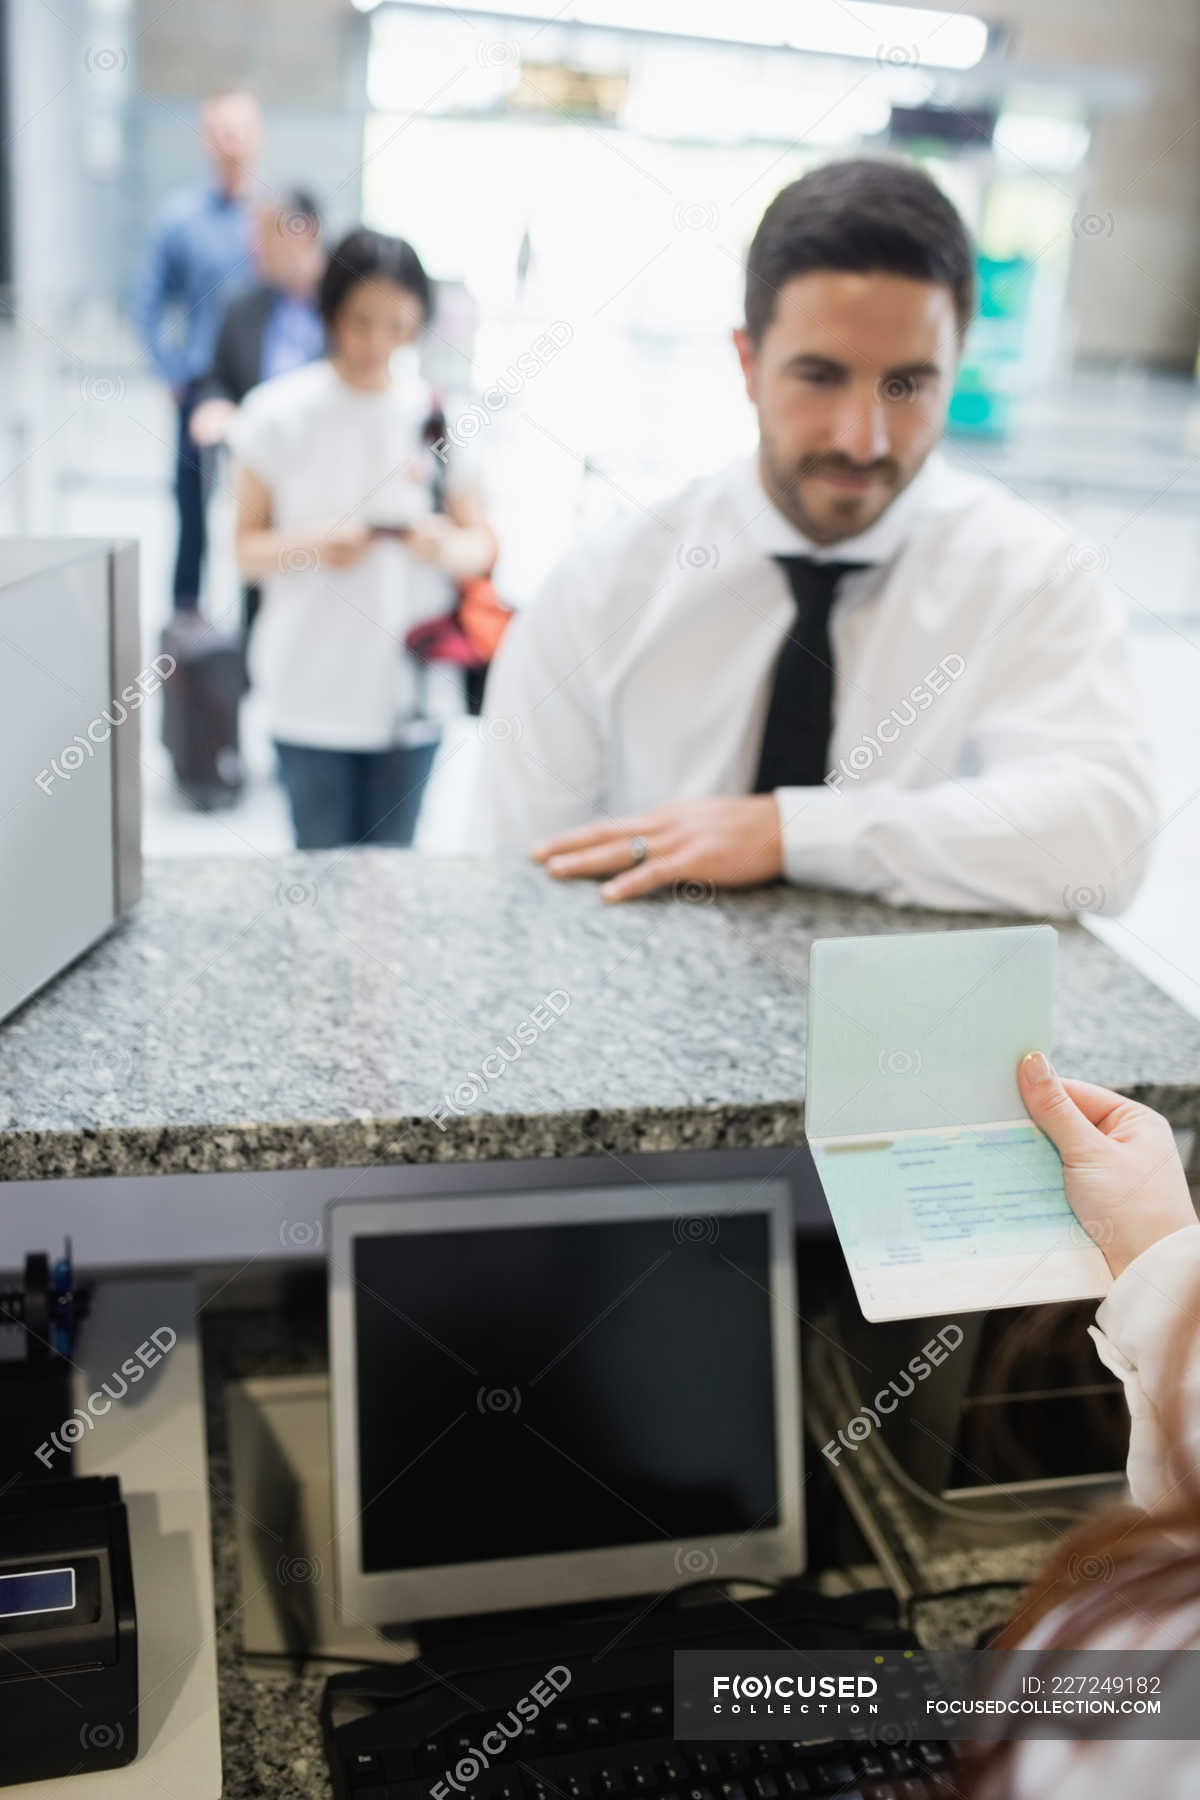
783	483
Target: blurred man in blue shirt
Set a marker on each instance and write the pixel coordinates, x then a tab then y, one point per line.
201	253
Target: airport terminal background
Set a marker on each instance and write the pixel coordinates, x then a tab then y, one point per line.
549	170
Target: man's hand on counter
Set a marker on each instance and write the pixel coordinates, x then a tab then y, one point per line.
717	842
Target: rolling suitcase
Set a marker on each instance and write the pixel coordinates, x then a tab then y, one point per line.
200	709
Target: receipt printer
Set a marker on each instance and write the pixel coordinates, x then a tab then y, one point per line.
68	1631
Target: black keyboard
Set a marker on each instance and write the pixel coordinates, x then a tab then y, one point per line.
415	1732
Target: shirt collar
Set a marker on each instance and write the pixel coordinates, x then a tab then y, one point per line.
771	534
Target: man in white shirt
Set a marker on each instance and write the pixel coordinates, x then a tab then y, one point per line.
840	661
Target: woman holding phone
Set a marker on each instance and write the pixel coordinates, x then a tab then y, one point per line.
356	532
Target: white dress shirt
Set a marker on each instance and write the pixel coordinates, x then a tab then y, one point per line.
987	750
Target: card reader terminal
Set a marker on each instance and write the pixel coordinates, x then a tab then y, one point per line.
68	1630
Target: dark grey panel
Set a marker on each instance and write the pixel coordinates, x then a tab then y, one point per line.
125	628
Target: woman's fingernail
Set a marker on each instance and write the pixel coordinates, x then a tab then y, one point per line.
1037	1066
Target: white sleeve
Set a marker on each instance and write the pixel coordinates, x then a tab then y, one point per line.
1135	1325
255	436
1058	818
464	462
1133	1331
540	763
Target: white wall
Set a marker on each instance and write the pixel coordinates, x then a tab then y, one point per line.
1136	284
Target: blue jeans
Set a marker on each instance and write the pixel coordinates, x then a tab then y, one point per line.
354	796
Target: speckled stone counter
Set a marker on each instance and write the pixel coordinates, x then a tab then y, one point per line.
359	1007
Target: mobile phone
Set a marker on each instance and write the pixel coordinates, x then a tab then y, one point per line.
391	531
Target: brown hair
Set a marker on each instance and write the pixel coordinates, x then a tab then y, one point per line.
867	215
1130	1560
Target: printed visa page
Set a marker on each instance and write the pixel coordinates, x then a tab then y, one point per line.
913	1038
961	1219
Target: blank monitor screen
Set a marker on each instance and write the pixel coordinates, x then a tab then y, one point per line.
542	1388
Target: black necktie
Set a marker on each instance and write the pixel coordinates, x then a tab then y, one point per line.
795	746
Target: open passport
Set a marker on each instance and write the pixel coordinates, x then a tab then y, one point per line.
944	1194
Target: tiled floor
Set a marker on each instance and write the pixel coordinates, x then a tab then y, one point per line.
1117	456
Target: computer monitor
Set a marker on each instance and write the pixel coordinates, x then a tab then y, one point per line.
562	1394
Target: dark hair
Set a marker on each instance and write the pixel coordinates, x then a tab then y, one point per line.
864	215
1118	1563
366	255
299	203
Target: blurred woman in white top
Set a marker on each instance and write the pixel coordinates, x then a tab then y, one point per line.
356	533
1128	1578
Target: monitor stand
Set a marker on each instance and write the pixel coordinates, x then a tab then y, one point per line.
283	1510
432	1634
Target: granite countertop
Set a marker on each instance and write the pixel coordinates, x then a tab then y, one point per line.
317	1011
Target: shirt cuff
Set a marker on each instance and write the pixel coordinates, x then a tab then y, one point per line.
1138	1311
818	832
